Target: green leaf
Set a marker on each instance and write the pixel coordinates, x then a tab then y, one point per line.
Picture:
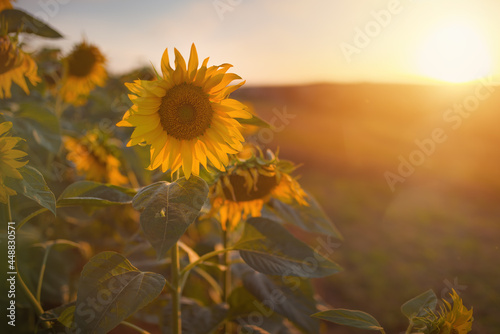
33	186
268	247
255	120
110	290
351	318
310	218
39	125
416	307
197	319
90	193
17	20
285	297
167	209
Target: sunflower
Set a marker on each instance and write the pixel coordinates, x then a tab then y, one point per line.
246	186
93	156
186	115
456	319
14	66
5	4
83	71
9	160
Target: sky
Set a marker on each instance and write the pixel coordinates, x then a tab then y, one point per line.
289	42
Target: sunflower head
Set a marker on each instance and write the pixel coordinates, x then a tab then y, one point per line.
453	318
186	115
83	71
15	65
9	160
250	183
5	4
94	156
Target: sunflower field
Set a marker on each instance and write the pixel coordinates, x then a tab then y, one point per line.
141	204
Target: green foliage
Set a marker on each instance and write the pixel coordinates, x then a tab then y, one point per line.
90	193
268	247
33	186
420	305
20	21
110	290
351	318
167	210
255	120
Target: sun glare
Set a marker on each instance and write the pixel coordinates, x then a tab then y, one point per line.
455	53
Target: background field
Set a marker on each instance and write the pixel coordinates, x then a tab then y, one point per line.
438	229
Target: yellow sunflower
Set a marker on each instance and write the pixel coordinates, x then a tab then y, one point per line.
94	158
5	4
9	160
83	71
186	115
456	318
245	187
15	65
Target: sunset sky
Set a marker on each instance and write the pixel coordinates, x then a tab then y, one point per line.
290	42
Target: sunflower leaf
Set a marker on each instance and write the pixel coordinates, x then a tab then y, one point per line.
167	209
33	186
18	21
416	307
351	318
90	193
310	218
110	290
268	247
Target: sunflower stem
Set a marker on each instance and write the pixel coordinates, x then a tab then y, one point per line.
226	279
33	215
177	291
42	272
132	326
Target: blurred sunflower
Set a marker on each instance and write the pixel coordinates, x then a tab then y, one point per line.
5	4
14	66
451	319
186	115
94	157
9	160
83	71
245	187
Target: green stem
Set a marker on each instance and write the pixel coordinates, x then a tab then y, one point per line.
226	280
42	273
138	329
202	259
34	214
9	212
410	327
176	294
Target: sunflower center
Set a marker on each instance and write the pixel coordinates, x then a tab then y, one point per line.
81	62
7	56
264	186
185	112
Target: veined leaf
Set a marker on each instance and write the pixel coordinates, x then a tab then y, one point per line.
351	318
416	307
310	218
110	290
268	247
167	209
33	186
286	299
17	20
90	193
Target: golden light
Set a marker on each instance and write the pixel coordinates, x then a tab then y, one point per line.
456	53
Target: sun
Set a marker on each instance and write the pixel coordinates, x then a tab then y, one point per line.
455	52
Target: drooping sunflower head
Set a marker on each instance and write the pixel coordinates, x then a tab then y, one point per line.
9	160
84	69
15	65
94	156
186	116
246	186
